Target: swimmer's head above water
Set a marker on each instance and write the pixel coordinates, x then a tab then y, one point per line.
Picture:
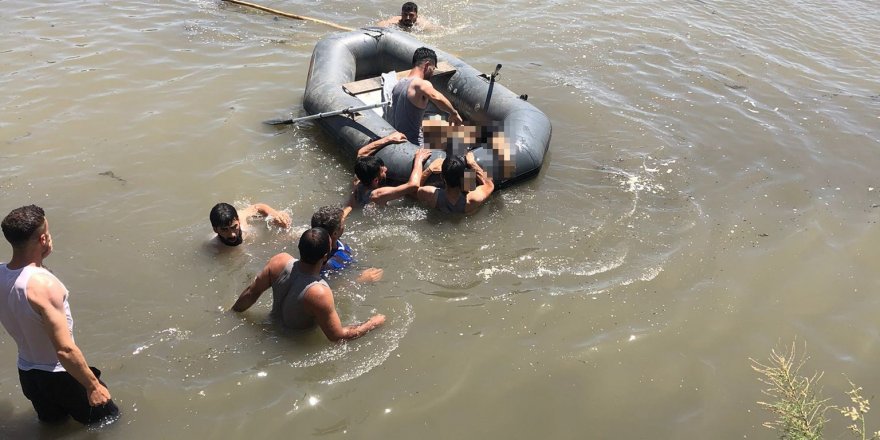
370	170
314	246
409	14
330	218
224	220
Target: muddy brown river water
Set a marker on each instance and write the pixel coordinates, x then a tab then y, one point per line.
711	192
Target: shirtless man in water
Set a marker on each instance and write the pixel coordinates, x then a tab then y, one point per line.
371	170
408	20
231	231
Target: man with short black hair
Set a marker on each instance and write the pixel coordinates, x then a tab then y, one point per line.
459	174
230	230
408	20
371	172
301	299
332	219
34	310
410	97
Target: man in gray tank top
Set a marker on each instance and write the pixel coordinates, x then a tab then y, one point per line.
301	299
410	96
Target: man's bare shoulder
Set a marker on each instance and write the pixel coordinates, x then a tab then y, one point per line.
280	260
44	289
319	297
390	21
44	281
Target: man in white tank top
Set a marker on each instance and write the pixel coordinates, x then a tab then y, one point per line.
34	310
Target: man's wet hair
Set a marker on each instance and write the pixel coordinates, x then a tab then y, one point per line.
423	54
328	217
452	170
22	223
409	7
223	214
367	168
314	244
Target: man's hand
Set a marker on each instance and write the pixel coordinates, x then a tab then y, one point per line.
281	218
376	321
421	155
396	138
99	396
455	118
370	275
436	166
471	162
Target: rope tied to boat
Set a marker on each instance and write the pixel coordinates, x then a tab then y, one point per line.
289	15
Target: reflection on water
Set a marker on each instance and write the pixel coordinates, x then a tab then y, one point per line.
710	190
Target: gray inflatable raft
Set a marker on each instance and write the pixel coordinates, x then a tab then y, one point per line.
345	71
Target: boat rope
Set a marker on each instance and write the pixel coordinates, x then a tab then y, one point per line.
289	15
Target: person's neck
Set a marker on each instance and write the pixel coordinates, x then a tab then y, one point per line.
307	268
417	72
27	257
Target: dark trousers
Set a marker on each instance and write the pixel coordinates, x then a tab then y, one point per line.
56	395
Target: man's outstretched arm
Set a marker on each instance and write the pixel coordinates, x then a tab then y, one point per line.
263	281
371	148
425	86
280	218
388	193
319	302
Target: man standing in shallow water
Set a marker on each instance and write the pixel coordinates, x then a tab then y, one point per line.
34	310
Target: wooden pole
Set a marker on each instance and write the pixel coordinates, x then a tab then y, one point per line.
288	15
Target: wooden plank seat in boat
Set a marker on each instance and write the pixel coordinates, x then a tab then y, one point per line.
355	88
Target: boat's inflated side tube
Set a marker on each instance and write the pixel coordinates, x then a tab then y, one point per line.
351	56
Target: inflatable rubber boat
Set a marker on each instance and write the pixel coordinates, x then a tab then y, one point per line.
346	71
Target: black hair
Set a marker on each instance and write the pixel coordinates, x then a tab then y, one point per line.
409	7
367	168
21	224
314	244
423	54
223	214
452	170
328	217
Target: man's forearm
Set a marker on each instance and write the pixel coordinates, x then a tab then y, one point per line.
244	301
446	106
358	330
415	178
74	362
371	148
